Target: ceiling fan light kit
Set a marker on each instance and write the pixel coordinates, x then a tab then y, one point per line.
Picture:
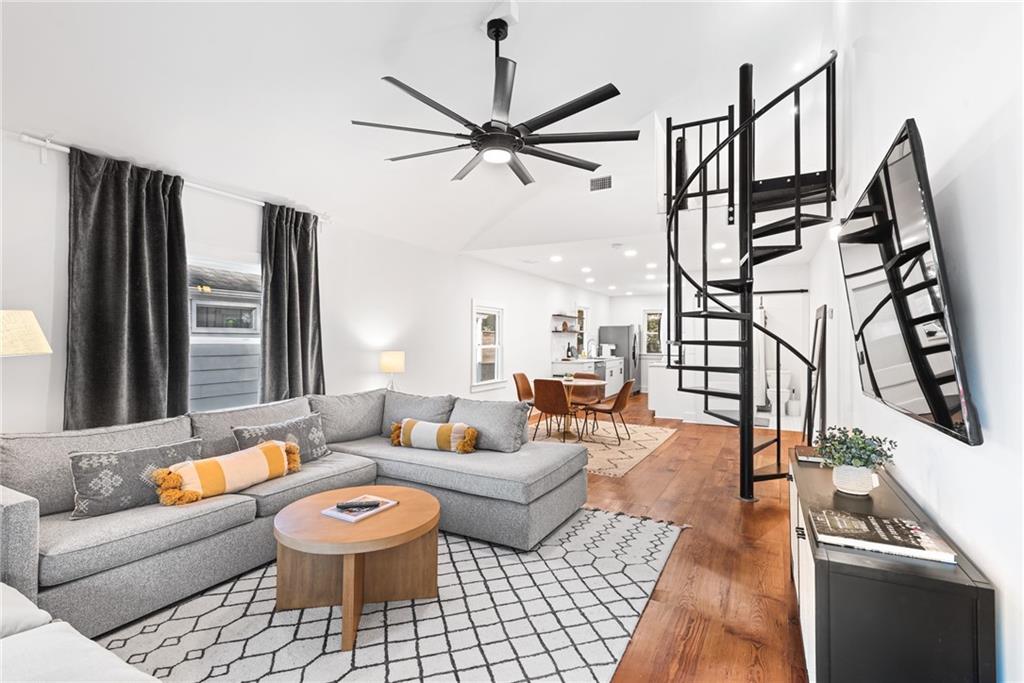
498	142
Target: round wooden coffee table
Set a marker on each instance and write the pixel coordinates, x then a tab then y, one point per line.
322	561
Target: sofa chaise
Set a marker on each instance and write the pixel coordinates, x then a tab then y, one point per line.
99	573
35	647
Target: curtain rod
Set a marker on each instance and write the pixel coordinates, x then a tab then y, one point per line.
64	149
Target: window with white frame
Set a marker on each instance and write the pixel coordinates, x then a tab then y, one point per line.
653	332
488	363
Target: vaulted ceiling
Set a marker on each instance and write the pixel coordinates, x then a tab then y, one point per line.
258	98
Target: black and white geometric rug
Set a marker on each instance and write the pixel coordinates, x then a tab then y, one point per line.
564	611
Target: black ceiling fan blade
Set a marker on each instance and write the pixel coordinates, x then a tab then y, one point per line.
504	78
410	130
605	92
516	164
473	163
432	104
560	158
429	152
603	136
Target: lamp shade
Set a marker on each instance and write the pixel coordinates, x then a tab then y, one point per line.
20	335
392	361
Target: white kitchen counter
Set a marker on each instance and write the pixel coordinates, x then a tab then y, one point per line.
612	366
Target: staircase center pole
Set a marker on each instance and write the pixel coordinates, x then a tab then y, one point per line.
746	224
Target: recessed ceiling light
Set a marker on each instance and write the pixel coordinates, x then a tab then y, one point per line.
834	231
589	280
798	66
652	265
611	287
555	259
650	276
629	253
585	269
726	261
629	293
718	245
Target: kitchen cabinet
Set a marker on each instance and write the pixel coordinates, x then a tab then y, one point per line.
613	375
561	367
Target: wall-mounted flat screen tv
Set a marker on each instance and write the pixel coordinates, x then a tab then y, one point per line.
908	352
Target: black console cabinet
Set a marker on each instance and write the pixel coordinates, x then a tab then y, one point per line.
867	616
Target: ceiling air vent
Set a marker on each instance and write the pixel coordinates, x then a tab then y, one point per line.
602	183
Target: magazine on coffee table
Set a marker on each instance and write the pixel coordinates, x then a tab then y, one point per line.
357	514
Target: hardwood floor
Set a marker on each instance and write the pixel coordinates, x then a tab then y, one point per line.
724	608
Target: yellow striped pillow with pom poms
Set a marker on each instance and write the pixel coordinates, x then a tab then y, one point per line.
192	480
457	437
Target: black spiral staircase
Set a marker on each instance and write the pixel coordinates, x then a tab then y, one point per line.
754	199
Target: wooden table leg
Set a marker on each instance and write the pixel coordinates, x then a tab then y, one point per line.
351	599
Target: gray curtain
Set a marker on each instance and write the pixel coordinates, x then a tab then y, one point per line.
128	317
292	358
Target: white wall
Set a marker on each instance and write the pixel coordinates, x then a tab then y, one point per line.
956	68
376	293
419	301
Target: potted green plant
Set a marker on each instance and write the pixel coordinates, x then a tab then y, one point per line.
853	456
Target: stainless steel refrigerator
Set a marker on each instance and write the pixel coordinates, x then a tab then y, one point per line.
627	346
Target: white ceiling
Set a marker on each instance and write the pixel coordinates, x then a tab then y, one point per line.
257	98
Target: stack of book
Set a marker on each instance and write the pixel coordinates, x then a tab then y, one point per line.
890	535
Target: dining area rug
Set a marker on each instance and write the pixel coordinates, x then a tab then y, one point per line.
608	458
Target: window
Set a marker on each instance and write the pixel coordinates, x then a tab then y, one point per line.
487	347
226	311
224	317
652	332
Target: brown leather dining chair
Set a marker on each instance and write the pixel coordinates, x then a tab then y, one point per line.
582	397
523	389
613	408
550	399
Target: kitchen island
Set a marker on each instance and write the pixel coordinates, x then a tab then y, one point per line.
608	368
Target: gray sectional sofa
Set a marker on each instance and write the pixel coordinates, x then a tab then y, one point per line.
101	572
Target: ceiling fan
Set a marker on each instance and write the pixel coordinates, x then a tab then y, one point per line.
497	141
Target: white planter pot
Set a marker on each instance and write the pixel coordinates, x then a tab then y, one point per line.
857	481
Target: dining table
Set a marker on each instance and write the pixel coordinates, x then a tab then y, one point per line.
571	383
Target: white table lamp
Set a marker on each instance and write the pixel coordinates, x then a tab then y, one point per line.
393	363
20	335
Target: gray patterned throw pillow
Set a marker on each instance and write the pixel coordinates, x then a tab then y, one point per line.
307	431
111	481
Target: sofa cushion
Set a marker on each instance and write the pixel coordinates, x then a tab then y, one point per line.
70	549
350	416
398	406
334	471
187	482
499	424
108	481
307	432
19	613
57	652
521	478
456	437
214	426
37	464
